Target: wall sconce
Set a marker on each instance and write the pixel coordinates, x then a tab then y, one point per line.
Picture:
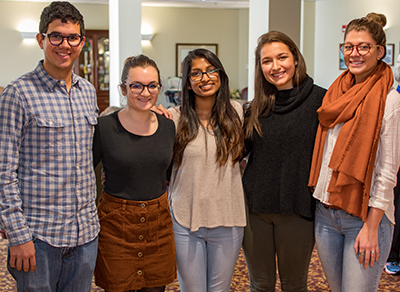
147	32
28	29
147	37
26	35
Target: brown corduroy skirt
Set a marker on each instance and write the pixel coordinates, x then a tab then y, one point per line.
136	244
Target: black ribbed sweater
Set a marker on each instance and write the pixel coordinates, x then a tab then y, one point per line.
276	177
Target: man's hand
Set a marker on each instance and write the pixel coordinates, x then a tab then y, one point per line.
23	256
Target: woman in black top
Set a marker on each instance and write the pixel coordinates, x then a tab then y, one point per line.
280	127
136	243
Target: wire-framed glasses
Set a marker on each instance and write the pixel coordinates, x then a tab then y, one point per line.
198	75
137	87
57	39
362	48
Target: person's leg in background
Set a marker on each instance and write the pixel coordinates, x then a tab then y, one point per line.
392	266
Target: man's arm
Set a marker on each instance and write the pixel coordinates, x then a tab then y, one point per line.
22	251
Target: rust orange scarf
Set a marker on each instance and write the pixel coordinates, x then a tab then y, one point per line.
360	107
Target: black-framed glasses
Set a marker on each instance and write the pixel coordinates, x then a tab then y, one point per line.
137	87
198	75
362	48
57	39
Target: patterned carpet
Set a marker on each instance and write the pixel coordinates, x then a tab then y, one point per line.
240	281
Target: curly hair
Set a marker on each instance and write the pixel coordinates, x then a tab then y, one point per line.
64	11
224	120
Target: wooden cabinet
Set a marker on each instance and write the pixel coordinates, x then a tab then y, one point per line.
93	64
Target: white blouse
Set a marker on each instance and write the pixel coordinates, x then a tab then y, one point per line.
386	163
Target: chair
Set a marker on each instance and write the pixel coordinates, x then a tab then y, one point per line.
173	91
243	94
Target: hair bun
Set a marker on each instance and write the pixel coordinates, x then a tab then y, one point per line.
379	18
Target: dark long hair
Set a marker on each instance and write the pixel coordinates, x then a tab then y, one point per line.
264	92
224	120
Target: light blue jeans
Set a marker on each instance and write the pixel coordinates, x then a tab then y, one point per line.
335	235
58	269
206	258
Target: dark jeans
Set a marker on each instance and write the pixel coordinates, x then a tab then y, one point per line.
289	239
394	251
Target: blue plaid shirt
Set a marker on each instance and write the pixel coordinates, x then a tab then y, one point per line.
47	181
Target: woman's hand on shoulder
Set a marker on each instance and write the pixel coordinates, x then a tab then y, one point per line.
159	109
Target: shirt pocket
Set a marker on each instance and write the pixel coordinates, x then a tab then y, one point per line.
51	133
91	122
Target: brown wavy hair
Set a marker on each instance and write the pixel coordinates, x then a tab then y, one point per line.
264	92
224	120
373	23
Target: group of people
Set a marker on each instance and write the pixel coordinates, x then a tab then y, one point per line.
321	167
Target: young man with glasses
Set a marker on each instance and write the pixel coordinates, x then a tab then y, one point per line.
47	182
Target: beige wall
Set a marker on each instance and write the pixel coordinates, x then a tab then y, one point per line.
285	20
330	15
226	27
309	35
191	25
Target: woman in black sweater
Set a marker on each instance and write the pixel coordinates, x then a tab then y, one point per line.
280	127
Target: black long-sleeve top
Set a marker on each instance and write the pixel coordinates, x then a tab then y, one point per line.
275	180
135	166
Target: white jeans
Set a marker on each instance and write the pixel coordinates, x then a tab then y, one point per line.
206	258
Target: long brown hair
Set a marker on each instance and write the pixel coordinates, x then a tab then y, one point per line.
373	23
264	92
224	120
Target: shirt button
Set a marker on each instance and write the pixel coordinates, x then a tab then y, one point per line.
139	272
142	219
141	237
140	254
143	205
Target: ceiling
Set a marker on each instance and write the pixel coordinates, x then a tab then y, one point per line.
170	3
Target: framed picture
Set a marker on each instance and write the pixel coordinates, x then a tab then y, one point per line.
389	58
342	65
182	50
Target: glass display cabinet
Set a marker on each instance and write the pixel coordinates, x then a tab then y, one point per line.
93	64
